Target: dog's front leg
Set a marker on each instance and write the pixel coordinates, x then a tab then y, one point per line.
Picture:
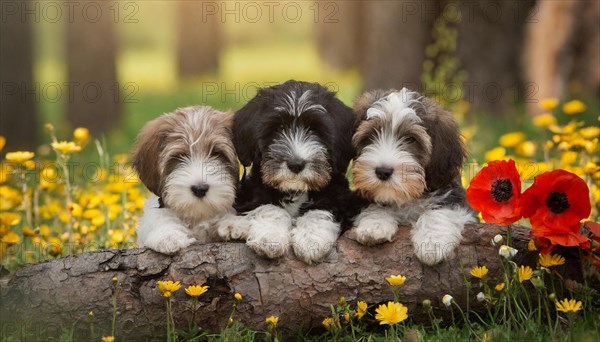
437	233
374	225
268	230
161	230
315	235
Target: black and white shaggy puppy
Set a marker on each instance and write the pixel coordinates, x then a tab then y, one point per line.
187	159
409	157
297	137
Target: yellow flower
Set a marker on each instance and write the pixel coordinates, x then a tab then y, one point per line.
568	305
574	107
496	153
499	287
168	286
2	142
81	135
391	313
327	322
44	230
531	246
526	149
108	339
479	272
272	320
196	290
9	219
511	139
525	273
98	220
19	156
548	103
544	120
549	260
65	147
11	238
568	158
361	309
238	296
396	280
590	167
117	236
27	231
590	132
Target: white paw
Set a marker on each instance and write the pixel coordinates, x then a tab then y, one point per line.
232	227
169	243
373	233
314	236
269	231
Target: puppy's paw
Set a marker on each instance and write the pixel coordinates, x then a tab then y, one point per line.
314	236
374	232
170	242
268	231
232	227
433	251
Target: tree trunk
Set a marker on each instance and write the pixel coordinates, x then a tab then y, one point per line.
94	92
60	293
199	39
18	121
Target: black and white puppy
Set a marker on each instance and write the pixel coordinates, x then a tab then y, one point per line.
187	159
297	137
409	157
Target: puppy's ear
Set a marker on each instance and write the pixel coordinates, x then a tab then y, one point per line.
366	100
245	126
448	152
146	153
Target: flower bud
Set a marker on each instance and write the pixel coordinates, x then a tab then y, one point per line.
426	304
552	297
481	297
497	240
447	300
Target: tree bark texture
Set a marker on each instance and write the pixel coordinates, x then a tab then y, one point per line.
46	296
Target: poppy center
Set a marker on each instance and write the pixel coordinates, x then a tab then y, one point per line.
557	202
502	190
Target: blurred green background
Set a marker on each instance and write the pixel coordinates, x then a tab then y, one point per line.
150	57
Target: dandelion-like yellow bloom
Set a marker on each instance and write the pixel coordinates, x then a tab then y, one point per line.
549	260
396	280
167	287
531	246
66	147
497	153
327	322
8	219
544	120
108	339
117	236
272	321
511	139
19	156
81	135
568	305
500	287
361	309
27	231
548	103
392	313
590	132
238	296
574	107
525	273
11	238
526	149
196	290
479	272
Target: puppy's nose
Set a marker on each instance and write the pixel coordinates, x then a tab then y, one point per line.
384	173
200	190
296	165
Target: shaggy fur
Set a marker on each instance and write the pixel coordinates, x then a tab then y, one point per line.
297	137
187	159
407	171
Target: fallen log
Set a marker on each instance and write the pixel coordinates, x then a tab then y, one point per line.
43	298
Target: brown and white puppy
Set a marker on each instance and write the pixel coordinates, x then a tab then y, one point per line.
407	168
187	159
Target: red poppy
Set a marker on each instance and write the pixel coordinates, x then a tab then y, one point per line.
496	192
555	204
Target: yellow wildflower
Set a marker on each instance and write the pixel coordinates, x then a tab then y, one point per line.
65	147
590	132
568	158
525	273
574	107
499	287
27	231
2	142
11	238
44	230
549	260
168	286
98	220
544	120
19	156
81	135
361	309
496	153
327	322
396	280
272	321
117	236
479	272
526	149
8	219
590	167
548	103
391	313
568	305
511	139
108	339
238	296
531	246
196	290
